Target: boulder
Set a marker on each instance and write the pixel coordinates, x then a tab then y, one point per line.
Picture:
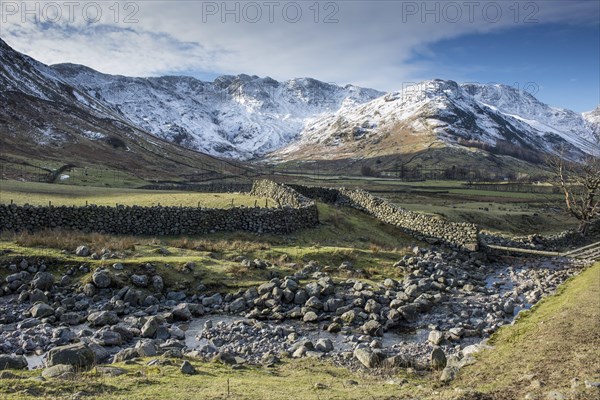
78	355
102	318
43	281
62	371
372	328
324	345
438	358
140	280
435	337
368	358
82	251
310	316
71	318
101	279
212	300
158	283
108	338
314	302
12	362
126	354
182	312
187	368
237	305
448	374
225	358
409	312
150	327
41	310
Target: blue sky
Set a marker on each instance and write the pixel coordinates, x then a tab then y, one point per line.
550	48
559	64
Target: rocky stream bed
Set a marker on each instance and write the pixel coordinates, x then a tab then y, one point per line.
437	316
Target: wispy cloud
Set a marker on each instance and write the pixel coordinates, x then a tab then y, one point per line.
371	43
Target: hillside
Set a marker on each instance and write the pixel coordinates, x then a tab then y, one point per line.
47	123
445	114
235	116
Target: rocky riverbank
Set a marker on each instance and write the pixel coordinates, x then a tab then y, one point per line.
434	317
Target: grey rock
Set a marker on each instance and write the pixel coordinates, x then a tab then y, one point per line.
301	297
89	289
237	305
314	302
348	317
71	318
150	327
368	358
438	358
212	300
187	368
397	361
310	316
82	251
101	279
126	354
43	281
448	374
225	358
435	337
78	355
409	312
28	323
102	318
108	338
62	371
158	283
146	348
324	345
37	296
12	362
372	328
140	280
182	312
41	310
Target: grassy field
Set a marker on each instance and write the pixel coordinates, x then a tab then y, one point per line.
507	212
343	235
516	213
41	193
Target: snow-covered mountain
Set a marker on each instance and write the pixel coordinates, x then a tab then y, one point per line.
592	119
46	121
235	116
247	116
446	112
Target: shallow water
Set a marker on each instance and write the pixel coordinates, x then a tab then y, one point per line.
341	341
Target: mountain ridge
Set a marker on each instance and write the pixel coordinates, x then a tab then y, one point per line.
250	117
448	113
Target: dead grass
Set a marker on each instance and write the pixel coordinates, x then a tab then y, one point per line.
70	240
218	246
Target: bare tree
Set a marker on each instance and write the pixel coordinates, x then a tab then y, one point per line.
580	184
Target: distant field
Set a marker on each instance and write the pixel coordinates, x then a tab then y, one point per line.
35	193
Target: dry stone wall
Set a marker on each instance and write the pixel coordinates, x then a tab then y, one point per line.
435	229
282	194
295	212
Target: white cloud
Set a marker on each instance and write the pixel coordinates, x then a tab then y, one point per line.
371	45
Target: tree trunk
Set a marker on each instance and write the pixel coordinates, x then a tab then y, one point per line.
584	227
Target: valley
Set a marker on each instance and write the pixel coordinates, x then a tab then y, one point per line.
243	237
